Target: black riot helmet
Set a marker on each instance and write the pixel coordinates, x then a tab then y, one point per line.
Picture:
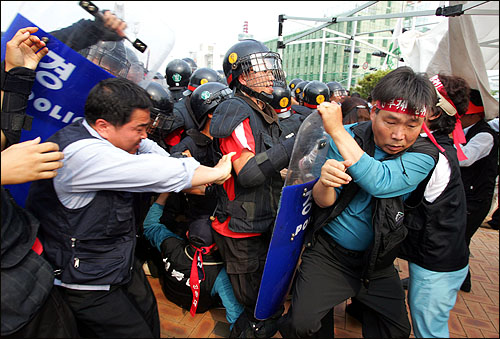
163	105
191	63
206	97
315	93
294	84
337	90
222	77
254	60
177	73
299	89
200	77
281	99
109	55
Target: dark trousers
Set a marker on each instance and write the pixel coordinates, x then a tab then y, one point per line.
54	320
128	310
329	275
476	213
244	259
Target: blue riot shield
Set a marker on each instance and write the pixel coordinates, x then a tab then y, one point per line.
308	156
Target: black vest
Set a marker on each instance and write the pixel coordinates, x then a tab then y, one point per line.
436	231
176	270
201	148
21	267
479	178
290	125
93	244
183	110
387	218
254	208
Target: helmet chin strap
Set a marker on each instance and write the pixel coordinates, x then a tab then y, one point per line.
262	96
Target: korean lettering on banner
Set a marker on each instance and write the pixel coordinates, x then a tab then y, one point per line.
63	80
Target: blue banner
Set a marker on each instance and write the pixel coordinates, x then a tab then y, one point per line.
63	80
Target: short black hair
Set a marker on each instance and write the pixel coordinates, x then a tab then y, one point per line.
403	83
114	100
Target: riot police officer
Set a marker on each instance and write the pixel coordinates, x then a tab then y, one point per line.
200	77
282	105
191	63
299	108
337	92
315	92
110	56
177	75
198	142
247	204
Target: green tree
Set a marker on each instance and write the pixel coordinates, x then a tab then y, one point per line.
365	85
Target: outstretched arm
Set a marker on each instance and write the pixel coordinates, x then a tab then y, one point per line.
29	161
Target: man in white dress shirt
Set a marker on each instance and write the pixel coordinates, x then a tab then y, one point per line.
86	213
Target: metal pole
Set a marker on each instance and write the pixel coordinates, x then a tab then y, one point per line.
351	57
323	43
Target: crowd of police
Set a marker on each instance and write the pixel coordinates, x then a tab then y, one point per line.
207	243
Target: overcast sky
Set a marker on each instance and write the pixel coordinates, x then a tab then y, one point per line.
185	24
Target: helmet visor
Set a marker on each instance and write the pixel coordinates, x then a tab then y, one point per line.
263	69
340	93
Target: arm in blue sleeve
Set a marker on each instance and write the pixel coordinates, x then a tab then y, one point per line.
224	289
154	231
390	178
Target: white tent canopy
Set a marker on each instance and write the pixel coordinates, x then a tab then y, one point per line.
465	46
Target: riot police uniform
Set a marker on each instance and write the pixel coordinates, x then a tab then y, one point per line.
247	203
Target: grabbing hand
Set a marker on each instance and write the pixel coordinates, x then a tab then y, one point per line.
333	173
24	49
225	166
29	161
112	22
331	114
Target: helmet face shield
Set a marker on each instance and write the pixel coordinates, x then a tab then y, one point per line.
262	69
340	93
110	57
154	129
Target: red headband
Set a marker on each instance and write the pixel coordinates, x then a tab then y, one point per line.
474	109
443	95
399	106
449	108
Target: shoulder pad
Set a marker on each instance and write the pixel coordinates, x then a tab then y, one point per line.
228	115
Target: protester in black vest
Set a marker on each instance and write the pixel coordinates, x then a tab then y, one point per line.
182	260
479	170
87	222
358	224
435	215
31	306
